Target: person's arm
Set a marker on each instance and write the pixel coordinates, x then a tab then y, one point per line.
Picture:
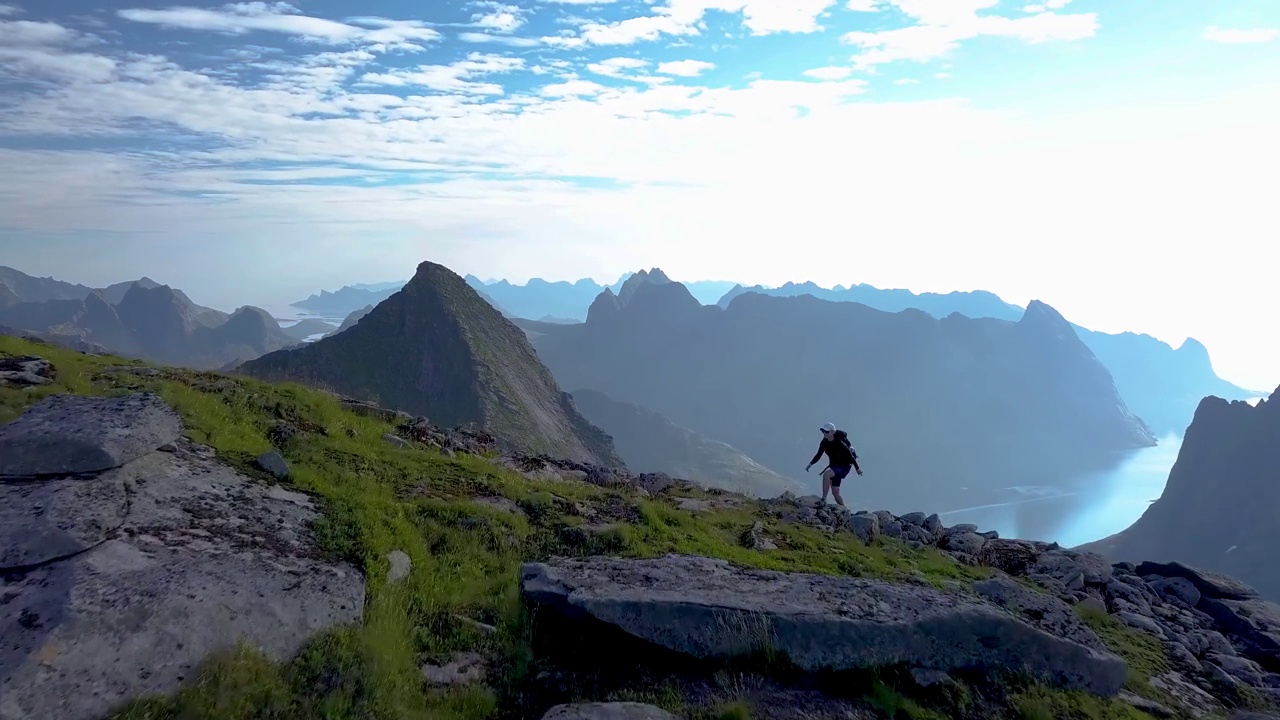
854	453
816	455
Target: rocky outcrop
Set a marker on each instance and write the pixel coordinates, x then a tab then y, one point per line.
711	609
128	554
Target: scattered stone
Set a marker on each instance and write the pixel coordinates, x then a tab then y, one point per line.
400	565
755	539
608	711
395	440
930	678
709	608
1151	707
25	371
866	527
139	370
500	503
274	463
485	628
464	669
73	435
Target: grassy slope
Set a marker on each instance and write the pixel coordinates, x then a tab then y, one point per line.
466	560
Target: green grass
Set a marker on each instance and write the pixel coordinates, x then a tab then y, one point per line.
1045	704
1143	652
466	556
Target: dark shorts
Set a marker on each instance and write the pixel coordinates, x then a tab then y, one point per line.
838	473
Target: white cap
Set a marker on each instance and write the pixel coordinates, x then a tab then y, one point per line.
828	427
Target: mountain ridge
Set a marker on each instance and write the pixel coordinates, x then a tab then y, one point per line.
762	374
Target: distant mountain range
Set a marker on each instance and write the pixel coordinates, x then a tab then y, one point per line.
1159	384
955	408
1218	510
139	318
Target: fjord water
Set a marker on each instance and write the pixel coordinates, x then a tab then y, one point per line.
1090	507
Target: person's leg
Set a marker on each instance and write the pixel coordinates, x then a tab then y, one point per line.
826	483
837	477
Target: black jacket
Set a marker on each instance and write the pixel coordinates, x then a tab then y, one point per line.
838	449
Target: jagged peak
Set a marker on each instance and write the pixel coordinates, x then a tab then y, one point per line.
1042	315
605	305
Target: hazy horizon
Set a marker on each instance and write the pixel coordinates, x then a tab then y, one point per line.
1102	158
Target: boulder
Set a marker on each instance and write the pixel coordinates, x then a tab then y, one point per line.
711	609
1210	584
73	435
608	711
274	463
25	371
202	558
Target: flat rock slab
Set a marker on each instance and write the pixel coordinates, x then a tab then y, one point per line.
73	435
608	711
708	608
43	520
1210	584
205	557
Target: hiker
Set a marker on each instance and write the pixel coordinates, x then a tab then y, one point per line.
841	458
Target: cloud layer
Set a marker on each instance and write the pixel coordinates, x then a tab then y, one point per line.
750	139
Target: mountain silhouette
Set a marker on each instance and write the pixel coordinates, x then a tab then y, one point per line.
436	348
1160	385
1218	509
150	321
952	407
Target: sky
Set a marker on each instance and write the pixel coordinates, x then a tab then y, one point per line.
1117	160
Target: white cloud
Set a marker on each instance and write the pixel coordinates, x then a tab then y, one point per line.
452	78
685	68
863	5
1241	36
279	17
9	10
572	88
829	72
941	25
500	18
679	18
25	33
617	67
512	40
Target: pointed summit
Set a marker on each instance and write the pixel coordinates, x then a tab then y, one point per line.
605	306
654	276
436	348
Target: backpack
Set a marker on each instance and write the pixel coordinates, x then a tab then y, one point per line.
842	437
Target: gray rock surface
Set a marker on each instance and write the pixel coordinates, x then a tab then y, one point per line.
709	608
25	371
274	463
608	711
1210	584
70	435
200	558
399	566
43	520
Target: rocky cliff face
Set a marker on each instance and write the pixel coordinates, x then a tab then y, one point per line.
437	349
1218	508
